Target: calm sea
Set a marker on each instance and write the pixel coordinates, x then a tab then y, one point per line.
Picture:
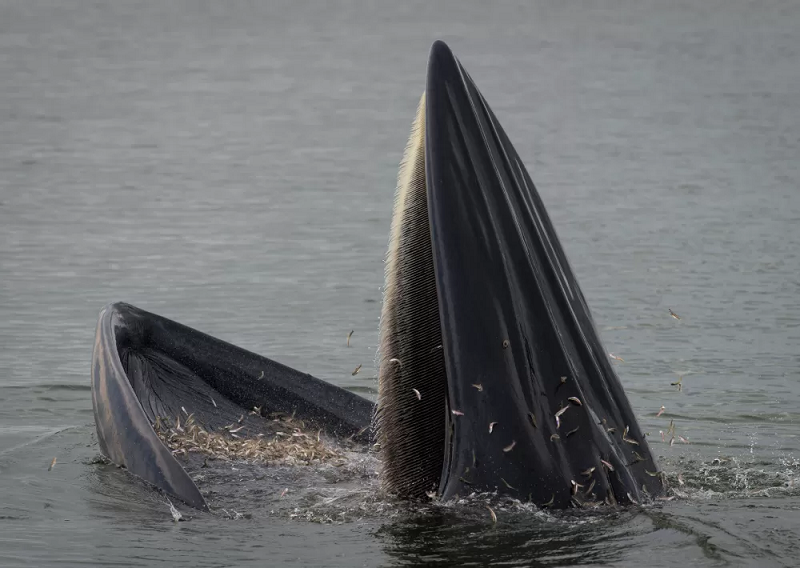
232	166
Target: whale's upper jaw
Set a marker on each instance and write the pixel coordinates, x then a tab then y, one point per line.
520	398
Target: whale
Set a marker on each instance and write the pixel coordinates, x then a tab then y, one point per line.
492	376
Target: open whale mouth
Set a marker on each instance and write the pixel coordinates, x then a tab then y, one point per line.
492	376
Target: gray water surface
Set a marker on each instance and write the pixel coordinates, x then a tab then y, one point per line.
232	167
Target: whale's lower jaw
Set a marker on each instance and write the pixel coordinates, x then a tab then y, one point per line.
492	375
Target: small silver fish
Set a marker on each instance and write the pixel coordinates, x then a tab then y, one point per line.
626	439
416	392
510	447
176	515
558	416
507	484
492	425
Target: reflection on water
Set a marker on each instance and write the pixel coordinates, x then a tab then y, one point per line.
233	168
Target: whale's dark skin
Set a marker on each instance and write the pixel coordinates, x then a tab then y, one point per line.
512	320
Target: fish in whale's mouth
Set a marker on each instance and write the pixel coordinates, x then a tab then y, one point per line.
492	375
